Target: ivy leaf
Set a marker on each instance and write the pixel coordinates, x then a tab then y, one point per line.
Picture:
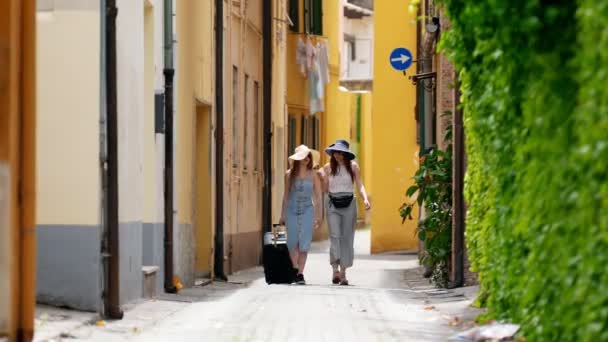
411	190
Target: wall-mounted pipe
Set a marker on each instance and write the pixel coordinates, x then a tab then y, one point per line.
28	174
267	123
218	268
168	184
112	299
458	226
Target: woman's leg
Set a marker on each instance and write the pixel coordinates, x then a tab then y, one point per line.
347	240
292	240
334	223
302	256
294	254
304	241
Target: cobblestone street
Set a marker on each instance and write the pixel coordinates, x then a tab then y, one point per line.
388	301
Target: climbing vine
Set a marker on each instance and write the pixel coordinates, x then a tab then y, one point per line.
533	77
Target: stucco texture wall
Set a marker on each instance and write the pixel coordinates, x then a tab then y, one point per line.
68	152
68	67
394	146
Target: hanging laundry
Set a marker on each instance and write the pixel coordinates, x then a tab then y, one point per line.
301	56
310	54
316	87
323	53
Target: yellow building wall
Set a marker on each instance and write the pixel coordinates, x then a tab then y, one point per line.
338	111
297	86
364	149
203	213
193	119
194	27
394	147
67	165
365	158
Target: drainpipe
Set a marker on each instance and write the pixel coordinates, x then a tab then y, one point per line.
27	165
458	198
112	301
169	72
267	123
218	268
426	41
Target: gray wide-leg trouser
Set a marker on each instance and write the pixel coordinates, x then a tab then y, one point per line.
341	224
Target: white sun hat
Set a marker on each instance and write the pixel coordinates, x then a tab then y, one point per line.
301	153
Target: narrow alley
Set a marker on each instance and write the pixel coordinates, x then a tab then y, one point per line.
149	150
387	301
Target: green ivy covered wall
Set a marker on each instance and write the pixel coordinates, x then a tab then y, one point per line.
534	82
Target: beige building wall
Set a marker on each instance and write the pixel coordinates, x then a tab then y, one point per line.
68	177
68	167
154	142
243	112
130	69
279	106
152	190
130	100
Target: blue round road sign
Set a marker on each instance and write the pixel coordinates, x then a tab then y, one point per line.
401	59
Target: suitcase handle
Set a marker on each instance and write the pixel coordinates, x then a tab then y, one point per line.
275	231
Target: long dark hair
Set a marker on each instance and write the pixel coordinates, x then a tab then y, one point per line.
348	164
296	166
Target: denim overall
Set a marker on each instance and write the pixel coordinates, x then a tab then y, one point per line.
300	214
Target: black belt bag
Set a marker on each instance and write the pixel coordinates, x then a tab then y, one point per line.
341	202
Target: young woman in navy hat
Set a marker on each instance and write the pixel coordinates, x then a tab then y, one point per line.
342	174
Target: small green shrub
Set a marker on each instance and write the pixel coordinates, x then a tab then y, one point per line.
432	189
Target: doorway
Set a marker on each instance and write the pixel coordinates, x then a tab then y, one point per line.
203	214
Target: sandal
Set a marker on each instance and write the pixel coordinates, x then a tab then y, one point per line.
344	282
336	279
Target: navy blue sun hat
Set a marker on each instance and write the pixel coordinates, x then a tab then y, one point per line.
340	146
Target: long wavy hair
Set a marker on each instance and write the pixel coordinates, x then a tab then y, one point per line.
348	164
293	171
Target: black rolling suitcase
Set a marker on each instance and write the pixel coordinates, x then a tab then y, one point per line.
277	263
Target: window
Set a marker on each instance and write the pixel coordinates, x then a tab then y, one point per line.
257	143
235	116
304	131
294	15
246	122
313	17
350	41
315	133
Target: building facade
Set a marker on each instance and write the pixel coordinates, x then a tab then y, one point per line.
395	147
68	173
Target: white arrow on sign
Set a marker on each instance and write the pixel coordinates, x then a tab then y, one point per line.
403	59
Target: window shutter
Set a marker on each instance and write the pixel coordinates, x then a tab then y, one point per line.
317	17
294	15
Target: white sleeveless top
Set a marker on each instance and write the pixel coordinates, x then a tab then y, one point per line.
341	182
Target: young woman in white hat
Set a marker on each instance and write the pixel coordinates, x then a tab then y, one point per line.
301	208
341	175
